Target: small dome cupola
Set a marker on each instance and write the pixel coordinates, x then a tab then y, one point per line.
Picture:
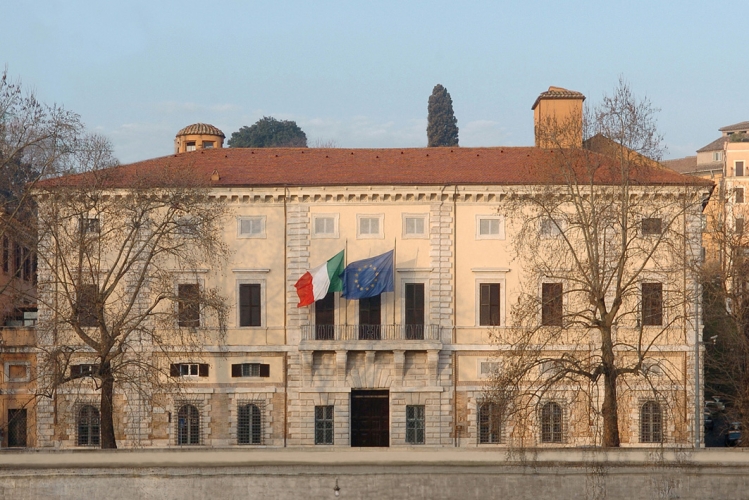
198	136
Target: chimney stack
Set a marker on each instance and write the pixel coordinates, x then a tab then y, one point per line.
558	118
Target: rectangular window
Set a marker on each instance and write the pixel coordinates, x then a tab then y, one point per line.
739	195
209	144
250	370
17	260
488	368
739	168
325	226
489	227
717	156
6	255
414	311
551	304
325	317
251	227
651	226
370	312
189	305
190	146
415	424
414	226
489	307
85	307
27	274
89	225
369	226
489	424
324	424
82	370
652	304
550	228
188	370
249	305
739	226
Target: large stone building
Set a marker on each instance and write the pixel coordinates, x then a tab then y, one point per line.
406	367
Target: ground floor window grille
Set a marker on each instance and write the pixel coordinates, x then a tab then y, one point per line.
415	424
250	424
88	423
551	423
17	428
490	424
651	423
188	425
324	424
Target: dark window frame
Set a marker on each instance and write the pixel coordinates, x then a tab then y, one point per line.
652	226
249	423
324	424
651	422
250	305
415	313
250	370
188	305
87	296
490	304
489	423
652	303
415	424
552	304
88	425
188	425
738	195
552	423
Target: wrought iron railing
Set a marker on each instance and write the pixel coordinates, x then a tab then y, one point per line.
370	332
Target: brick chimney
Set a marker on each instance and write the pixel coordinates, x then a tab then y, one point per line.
558	118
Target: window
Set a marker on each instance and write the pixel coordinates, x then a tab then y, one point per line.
739	195
551	423
27	273
739	225
651	226
188	227
88	426
369	226
251	227
488	368
188	425
249	305
190	146
324	424
325	226
325	317
414	311
652	304
370	309
86	307
651	423
551	304
250	370
414	226
17	371
249	424
490	423
550	228
717	156
489	307
82	370
89	225
6	255
739	168
17	426
209	144
415	424
17	259
188	305
489	227
188	370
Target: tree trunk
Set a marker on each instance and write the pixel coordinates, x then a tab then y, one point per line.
107	407
610	408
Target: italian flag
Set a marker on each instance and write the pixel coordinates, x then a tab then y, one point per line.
317	282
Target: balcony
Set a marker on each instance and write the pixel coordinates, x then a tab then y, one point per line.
370	337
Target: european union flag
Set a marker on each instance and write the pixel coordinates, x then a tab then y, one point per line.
368	277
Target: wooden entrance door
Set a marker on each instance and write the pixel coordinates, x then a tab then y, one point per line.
370	418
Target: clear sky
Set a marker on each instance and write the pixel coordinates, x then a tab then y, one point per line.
360	72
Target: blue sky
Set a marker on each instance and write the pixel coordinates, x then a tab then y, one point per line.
360	73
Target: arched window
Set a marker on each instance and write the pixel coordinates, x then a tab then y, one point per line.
490	423
651	423
249	424
188	425
88	426
551	423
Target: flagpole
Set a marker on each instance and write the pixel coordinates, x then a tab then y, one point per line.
395	246
345	263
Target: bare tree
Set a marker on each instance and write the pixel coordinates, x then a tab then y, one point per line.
120	287
606	249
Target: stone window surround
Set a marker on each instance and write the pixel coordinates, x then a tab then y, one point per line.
485	276
413	236
379	236
251	277
6	371
500	234
336	226
261	235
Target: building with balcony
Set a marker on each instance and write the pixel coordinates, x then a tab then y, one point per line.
406	367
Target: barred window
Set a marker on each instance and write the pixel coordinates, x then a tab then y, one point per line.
551	423
250	370
651	423
188	425
88	426
324	424
415	424
490	423
249	424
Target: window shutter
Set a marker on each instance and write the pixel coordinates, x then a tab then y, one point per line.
265	370
236	370
174	370
203	370
244	305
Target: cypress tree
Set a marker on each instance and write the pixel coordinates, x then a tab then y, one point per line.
442	129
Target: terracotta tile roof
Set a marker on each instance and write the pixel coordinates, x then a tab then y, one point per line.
200	128
350	167
735	127
558	93
716	145
682	165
